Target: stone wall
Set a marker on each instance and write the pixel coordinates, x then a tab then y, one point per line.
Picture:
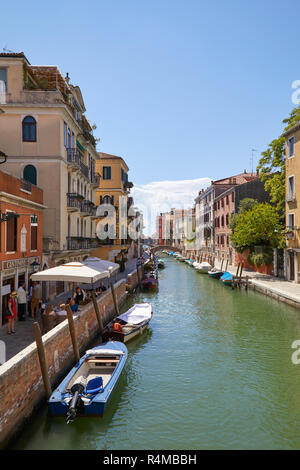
21	384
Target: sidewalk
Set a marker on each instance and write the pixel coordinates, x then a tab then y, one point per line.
278	288
24	330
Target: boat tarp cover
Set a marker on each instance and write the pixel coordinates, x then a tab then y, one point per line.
104	352
137	314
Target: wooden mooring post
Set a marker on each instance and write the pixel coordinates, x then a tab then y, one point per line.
139	277
42	358
98	314
114	298
72	332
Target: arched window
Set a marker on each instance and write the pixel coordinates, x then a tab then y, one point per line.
29	174
29	129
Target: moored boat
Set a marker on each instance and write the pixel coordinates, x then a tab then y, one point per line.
88	387
133	323
216	273
150	283
203	267
160	264
227	278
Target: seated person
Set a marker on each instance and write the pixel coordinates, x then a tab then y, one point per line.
73	306
50	311
102	287
60	310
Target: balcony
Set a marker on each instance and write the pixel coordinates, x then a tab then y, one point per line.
73	158
81	243
95	180
74	201
84	170
26	185
87	208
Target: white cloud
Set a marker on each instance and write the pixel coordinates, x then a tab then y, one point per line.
161	196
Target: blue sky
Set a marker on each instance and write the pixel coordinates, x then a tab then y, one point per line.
180	89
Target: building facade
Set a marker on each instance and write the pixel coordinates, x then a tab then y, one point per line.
292	252
21	235
117	215
50	144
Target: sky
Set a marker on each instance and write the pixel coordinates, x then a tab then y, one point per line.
182	90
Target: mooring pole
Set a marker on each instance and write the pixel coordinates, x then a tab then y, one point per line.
222	264
237	271
72	332
42	358
114	298
139	276
98	315
226	265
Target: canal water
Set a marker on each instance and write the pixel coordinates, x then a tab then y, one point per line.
214	372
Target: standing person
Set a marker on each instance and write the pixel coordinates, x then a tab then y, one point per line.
12	310
29	295
35	300
22	300
79	296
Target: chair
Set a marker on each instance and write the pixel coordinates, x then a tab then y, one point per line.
47	322
94	386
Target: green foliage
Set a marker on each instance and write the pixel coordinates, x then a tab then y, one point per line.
261	256
246	204
260	225
272	165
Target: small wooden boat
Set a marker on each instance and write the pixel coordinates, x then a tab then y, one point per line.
134	322
160	264
214	272
227	278
150	283
88	387
203	267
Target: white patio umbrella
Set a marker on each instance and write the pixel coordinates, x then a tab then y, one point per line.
74	272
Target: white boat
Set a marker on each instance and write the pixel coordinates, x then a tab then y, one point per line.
134	322
203	267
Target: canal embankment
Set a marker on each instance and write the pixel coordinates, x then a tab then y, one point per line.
21	385
279	289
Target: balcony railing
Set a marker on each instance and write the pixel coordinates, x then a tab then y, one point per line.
84	170
88	208
81	243
95	179
74	157
26	185
74	201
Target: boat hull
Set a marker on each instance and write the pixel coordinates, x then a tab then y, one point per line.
215	275
96	407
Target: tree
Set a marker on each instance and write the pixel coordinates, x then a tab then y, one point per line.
246	204
259	226
272	165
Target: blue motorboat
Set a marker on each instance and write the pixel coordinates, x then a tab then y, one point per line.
88	387
227	278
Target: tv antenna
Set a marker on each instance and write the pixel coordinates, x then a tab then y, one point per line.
252	159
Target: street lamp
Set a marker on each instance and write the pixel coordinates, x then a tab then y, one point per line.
35	266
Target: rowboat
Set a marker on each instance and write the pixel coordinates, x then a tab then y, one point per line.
214	272
227	278
150	283
203	267
88	387
134	322
160	264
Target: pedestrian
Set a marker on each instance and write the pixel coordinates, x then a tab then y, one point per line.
79	295
22	300
11	313
29	295
35	300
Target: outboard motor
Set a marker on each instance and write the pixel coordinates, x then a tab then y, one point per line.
76	390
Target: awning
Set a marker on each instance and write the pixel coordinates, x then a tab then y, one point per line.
79	145
77	272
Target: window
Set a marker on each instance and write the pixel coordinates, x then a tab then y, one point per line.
107	172
29	174
33	233
65	134
3	85
232	197
227	200
291	187
29	129
227	219
291	221
291	143
69	138
11	234
73	140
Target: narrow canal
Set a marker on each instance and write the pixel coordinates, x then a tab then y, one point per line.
214	372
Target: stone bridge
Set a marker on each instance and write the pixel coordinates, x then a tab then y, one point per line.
156	248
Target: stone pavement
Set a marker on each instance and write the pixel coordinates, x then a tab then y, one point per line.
270	285
24	336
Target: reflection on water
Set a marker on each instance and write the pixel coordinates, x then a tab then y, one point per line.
213	372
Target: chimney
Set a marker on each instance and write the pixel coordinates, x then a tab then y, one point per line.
67	78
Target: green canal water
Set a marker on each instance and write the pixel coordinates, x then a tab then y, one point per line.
214	372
